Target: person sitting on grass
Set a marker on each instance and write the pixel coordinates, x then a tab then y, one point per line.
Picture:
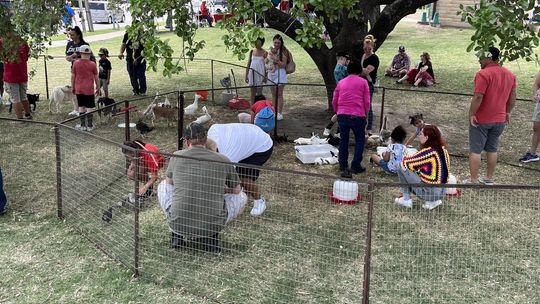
400	64
422	75
391	158
149	166
192	195
430	165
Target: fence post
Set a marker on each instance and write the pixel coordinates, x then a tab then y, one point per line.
276	106
212	76
136	204
367	254
127	130
180	126
382	108
46	76
60	213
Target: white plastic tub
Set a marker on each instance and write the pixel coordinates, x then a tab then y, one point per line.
307	154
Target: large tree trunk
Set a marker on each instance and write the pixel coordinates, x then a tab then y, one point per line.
347	34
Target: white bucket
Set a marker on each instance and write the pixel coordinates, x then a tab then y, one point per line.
345	191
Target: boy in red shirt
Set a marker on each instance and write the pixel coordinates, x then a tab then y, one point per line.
84	75
16	80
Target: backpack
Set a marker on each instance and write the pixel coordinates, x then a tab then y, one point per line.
265	119
291	66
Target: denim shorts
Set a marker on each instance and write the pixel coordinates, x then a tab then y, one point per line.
384	165
485	137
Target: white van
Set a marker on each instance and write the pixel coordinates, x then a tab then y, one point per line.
101	13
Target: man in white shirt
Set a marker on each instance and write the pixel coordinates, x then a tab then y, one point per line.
244	144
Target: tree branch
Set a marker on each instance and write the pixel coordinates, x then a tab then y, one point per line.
392	14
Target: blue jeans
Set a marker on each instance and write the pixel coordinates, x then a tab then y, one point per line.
370	114
427	193
357	124
137	76
3	198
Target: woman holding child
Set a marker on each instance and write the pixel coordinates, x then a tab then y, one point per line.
430	165
422	75
279	74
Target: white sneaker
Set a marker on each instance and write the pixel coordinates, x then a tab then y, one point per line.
430	205
90	129
73	113
258	207
279	116
403	202
80	128
326	132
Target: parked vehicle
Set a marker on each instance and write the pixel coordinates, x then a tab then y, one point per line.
101	12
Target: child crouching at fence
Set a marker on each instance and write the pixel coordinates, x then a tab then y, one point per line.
83	77
390	160
149	165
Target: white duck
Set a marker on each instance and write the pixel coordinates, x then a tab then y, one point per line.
190	110
204	118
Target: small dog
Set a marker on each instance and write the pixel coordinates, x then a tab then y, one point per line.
59	94
104	105
32	99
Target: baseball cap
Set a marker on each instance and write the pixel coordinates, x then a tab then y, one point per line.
103	51
194	131
85	49
401	48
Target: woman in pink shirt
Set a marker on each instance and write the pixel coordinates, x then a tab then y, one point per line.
351	103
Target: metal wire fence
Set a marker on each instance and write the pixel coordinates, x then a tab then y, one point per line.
481	246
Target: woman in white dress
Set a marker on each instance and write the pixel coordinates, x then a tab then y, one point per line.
279	75
255	71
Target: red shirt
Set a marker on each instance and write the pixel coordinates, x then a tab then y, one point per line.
204	10
496	83
152	162
85	72
17	72
261	104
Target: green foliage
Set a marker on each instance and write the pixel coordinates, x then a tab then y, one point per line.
505	24
34	21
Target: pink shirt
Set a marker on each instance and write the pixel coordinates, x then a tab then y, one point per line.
496	83
17	72
85	72
351	96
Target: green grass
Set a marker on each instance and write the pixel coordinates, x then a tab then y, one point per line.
481	247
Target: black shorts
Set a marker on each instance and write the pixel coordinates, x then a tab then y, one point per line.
86	101
257	159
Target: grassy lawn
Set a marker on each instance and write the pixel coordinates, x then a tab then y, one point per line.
481	247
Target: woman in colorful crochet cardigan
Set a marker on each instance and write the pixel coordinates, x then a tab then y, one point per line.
430	165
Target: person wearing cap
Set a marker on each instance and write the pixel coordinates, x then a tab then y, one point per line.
105	68
400	64
244	144
493	100
261	113
201	192
205	14
84	75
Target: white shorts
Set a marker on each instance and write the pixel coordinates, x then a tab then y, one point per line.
234	203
